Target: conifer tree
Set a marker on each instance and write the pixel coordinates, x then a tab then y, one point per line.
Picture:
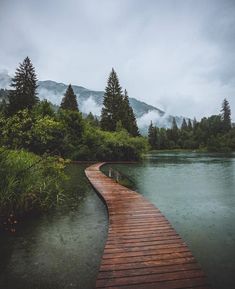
174	124
184	125
152	136
24	85
69	100
93	120
112	103
128	116
190	127
226	115
174	130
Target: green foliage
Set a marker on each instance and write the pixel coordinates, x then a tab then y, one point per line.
47	135
70	100
73	126
226	115
41	130
92	120
29	182
112	103
44	108
212	133
15	131
24	84
108	146
116	108
127	116
184	125
153	136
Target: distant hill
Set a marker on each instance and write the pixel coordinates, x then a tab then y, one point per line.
91	101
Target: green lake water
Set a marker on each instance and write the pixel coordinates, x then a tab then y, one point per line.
62	249
196	192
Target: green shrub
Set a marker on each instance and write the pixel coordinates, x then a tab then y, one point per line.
29	182
110	146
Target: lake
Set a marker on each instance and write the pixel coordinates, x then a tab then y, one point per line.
196	192
63	249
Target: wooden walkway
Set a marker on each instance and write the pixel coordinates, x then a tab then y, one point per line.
143	250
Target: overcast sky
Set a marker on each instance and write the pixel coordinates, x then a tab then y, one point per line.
176	55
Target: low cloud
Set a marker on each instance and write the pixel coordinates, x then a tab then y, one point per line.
155	117
53	97
90	105
5	79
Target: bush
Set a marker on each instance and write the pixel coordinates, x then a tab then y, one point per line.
110	146
29	182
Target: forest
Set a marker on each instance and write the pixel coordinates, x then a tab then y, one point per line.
212	134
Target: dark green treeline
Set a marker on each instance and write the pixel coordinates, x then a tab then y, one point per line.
214	133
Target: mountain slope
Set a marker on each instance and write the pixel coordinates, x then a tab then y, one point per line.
91	101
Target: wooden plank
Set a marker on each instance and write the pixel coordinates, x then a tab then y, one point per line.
148	270
171	284
149	278
143	250
159	263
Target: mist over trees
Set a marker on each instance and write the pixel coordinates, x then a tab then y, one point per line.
214	133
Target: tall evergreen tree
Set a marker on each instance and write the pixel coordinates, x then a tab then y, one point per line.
190	127
152	136
174	130
226	115
24	85
112	103
174	124
184	125
128	117
70	100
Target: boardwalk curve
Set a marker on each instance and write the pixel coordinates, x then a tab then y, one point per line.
142	250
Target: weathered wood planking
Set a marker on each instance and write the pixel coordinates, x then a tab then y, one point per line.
143	250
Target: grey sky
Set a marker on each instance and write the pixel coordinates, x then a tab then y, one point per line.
176	55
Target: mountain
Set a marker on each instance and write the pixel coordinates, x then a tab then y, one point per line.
88	100
91	101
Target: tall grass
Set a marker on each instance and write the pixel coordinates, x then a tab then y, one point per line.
29	182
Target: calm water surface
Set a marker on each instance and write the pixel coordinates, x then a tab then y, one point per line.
60	250
196	192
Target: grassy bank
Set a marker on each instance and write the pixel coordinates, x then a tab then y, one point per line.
28	183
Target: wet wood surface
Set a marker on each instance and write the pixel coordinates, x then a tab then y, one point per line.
142	250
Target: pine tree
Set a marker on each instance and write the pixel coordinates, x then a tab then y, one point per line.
93	120
174	124
128	117
24	85
184	125
69	100
112	103
152	136
226	115
174	130
190	127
